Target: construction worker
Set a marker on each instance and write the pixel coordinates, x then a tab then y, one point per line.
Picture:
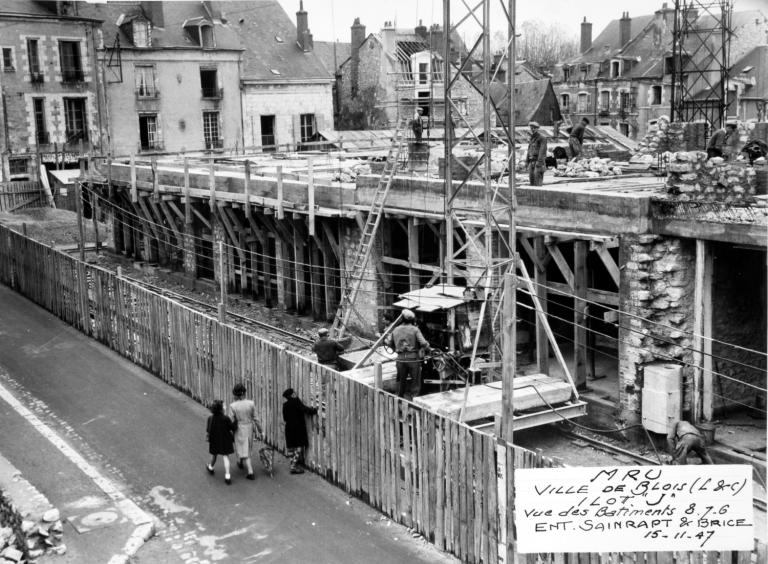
576	138
326	349
537	155
720	139
684	438
410	346
417	124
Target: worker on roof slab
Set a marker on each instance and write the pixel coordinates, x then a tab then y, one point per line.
410	346
576	138
721	139
537	155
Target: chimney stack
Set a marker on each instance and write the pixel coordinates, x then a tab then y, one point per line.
357	37
388	39
625	29
421	30
586	35
303	36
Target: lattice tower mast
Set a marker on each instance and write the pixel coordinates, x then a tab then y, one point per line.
701	39
483	220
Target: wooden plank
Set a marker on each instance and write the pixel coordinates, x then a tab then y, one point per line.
582	365
247	189
187	202
608	262
540	279
311	196
280	195
412	235
134	191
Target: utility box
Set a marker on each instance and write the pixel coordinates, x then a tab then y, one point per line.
662	396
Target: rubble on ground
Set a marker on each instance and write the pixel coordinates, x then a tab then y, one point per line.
588	168
350	174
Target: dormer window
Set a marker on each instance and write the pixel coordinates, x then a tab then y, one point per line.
615	69
140	30
200	31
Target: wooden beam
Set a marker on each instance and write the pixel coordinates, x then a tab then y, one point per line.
148	217
171	221
311	196
155	182
134	190
247	188
593	295
175	209
413	253
316	280
187	203
202	218
212	185
410	265
540	278
607	259
703	397
561	263
580	307
300	262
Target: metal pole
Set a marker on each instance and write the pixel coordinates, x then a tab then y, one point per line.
80	225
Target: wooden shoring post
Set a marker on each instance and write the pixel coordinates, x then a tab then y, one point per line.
580	311
79	207
134	188
540	278
110	188
94	203
247	187
311	196
212	187
171	221
155	180
300	265
702	401
259	232
605	256
187	198
238	232
280	210
316	282
222	286
412	234
329	279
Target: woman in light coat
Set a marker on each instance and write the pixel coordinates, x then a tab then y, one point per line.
243	412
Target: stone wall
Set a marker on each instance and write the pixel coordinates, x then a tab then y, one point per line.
694	178
656	302
370	297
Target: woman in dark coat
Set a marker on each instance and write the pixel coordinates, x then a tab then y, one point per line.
295	428
220	436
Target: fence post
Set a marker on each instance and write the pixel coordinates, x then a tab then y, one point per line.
79	207
377	378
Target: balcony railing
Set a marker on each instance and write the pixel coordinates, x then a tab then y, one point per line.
213	93
71	75
36	77
43	137
214	143
152	146
147	93
76	136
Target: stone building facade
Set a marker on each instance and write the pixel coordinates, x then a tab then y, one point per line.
50	86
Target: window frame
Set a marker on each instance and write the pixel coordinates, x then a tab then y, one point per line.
307	123
73	73
143	24
70	119
41	127
657	100
33	60
18	172
11	57
210	92
565	101
143	89
154	139
209	125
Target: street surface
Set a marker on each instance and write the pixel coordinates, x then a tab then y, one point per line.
150	440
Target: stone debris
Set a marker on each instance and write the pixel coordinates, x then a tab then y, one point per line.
350	174
692	177
51	515
12	554
588	168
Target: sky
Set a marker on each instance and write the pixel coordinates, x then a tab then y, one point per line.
331	19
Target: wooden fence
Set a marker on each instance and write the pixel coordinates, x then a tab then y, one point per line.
20	195
438	476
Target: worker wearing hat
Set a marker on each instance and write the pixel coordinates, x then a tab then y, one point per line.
410	346
722	140
326	349
417	124
537	155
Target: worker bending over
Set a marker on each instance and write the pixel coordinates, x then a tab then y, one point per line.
684	438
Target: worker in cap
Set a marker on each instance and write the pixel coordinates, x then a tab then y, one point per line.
723	141
410	345
417	124
326	349
537	155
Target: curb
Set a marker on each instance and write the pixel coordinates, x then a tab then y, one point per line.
138	538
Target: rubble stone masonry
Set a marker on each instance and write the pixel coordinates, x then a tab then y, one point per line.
656	304
694	178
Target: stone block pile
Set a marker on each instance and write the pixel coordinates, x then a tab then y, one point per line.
694	178
588	168
23	539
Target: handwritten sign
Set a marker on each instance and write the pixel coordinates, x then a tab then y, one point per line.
634	508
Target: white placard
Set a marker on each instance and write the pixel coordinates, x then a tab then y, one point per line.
634	508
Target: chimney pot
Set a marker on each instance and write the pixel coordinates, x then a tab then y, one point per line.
586	36
625	29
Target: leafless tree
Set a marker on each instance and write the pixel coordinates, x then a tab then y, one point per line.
541	44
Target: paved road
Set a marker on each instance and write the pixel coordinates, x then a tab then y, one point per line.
150	438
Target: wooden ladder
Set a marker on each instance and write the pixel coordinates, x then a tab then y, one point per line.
354	275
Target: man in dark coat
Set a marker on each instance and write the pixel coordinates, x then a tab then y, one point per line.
295	428
537	155
326	349
576	138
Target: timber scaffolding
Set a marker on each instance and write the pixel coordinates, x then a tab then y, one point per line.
283	228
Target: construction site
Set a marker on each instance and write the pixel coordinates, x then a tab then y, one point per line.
624	294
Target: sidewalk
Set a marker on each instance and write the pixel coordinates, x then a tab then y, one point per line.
100	524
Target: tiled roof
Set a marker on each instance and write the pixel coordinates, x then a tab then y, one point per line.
269	38
325	52
529	97
29	8
610	37
752	66
167	23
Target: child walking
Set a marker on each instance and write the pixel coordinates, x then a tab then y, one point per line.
295	428
220	436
